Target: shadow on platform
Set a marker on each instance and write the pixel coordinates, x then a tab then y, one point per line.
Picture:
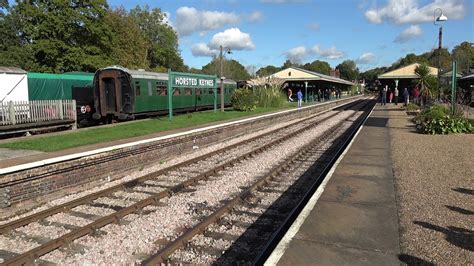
460	237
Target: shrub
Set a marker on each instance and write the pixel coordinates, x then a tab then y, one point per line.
243	100
270	97
413	107
437	120
447	125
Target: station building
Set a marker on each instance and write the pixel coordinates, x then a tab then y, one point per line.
404	77
310	82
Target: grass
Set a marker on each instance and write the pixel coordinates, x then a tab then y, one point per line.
128	130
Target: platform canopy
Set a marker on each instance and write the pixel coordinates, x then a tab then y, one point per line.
406	72
298	74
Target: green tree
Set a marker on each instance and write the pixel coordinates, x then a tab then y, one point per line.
426	81
162	50
288	64
444	58
231	69
58	35
348	70
268	70
129	46
408	60
372	74
464	56
318	66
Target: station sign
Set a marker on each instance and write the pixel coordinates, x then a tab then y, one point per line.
189	80
180	80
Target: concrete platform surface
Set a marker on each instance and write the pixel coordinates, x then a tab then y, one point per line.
355	220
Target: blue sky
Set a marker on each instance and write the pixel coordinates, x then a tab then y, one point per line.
268	32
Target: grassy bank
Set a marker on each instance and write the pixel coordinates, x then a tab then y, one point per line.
127	130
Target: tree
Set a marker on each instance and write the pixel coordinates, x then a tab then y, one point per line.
348	70
408	60
58	35
129	46
232	69
288	64
371	75
441	58
426	81
464	55
267	71
318	66
162	50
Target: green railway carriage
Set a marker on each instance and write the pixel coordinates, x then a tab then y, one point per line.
124	94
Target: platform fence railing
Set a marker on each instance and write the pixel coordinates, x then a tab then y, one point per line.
24	112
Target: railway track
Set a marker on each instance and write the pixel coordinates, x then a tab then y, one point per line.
143	195
261	212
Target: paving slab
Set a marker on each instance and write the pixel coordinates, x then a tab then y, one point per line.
320	253
355	220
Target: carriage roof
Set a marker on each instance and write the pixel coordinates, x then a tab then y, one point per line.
142	74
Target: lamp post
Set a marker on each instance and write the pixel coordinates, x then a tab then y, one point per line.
222	75
440	18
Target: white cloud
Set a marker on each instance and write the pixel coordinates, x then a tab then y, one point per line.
331	53
365	58
313	26
408	34
201	49
409	11
297	54
190	20
232	38
255	16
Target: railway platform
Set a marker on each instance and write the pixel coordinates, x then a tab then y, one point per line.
352	218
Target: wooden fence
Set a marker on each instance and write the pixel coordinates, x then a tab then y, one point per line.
23	112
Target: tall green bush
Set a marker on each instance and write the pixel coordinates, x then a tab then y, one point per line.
270	97
243	100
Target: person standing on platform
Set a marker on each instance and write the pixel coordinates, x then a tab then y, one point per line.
396	95
390	96
299	95
406	96
290	93
384	95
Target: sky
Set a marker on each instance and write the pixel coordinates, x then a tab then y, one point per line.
258	33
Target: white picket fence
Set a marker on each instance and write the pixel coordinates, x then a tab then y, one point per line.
23	112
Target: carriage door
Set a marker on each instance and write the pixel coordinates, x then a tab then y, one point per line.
110	92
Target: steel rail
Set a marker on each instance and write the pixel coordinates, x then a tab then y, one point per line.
291	217
162	255
31	255
5	228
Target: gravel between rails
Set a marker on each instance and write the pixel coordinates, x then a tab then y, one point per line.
8	216
126	243
434	178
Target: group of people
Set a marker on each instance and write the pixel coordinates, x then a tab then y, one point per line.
394	95
299	96
321	94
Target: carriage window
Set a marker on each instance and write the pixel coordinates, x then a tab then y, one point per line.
137	88
211	91
198	91
161	91
150	89
176	92
218	90
188	91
